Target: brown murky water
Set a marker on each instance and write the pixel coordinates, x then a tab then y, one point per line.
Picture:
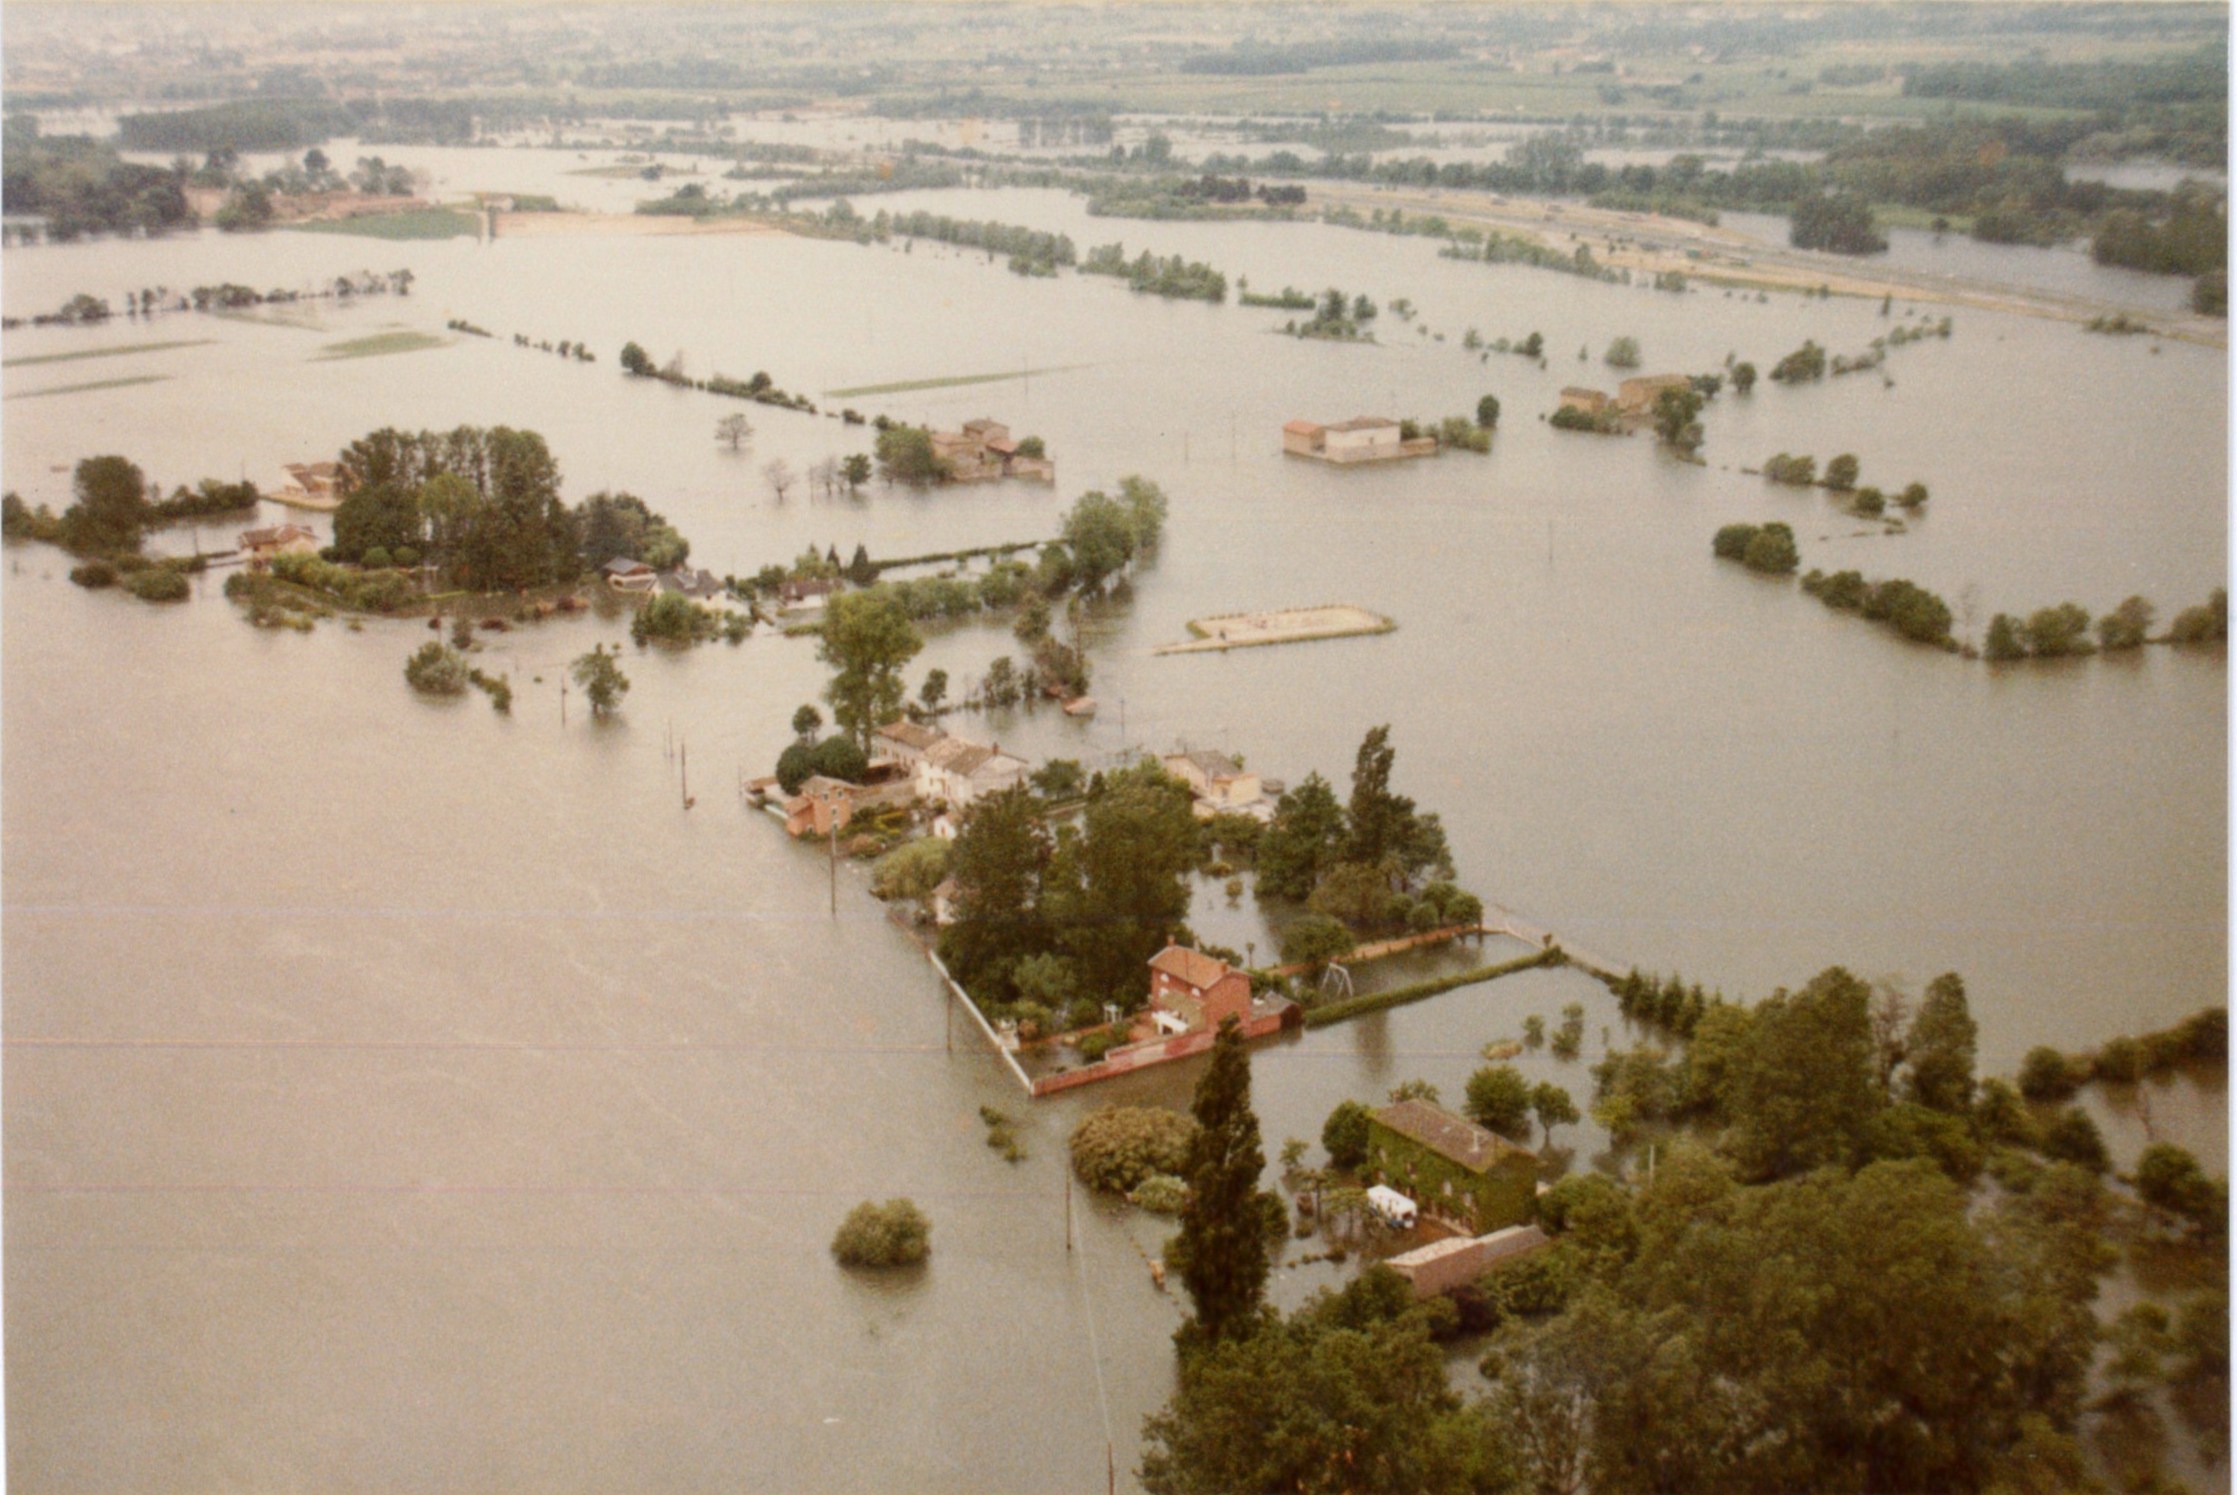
403	1097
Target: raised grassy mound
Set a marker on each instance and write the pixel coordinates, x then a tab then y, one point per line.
1289	625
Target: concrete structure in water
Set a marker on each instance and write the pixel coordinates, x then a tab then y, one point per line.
1363	438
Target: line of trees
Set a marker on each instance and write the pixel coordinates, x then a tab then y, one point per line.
1172	277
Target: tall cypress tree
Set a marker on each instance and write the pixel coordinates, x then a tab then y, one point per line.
1222	1245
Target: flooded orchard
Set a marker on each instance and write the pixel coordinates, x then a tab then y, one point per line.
402	1094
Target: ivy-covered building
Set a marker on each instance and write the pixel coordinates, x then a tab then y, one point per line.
1452	1167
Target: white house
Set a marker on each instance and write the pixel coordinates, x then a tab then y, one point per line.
962	772
903	741
1218	782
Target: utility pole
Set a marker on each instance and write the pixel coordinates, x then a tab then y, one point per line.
834	862
1067	1209
563	700
684	769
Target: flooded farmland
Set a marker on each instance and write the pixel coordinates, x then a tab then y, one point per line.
402	1095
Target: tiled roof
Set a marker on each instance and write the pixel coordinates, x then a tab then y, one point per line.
1301	427
1211	764
1191	966
622	565
909	734
1448	1135
1365	423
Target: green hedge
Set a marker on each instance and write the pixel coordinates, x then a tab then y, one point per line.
1350	1007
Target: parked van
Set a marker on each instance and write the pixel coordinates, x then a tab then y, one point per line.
1392	1208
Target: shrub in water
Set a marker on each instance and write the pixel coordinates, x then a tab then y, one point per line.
1118	1147
892	1234
436	670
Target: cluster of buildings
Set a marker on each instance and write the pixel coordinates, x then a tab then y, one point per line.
626	575
1634	399
260	545
910	764
1363	438
983	451
311	485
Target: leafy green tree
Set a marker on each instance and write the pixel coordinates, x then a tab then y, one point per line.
867	639
2168	1178
934	691
2205	624
2045	1075
2006	640
1487	411
1499	1100
1772	550
1379	819
806	722
1676	417
1553	1106
1804	1085
911	870
1840	222
2126	626
1841	471
1314	941
635	360
111	507
860	569
855	469
601	680
999	854
1114	1148
1940	1048
1913	496
1623	353
1059	778
1137	848
1305	838
436	670
1350	1394
1731	541
1344	1135
2055	631
1222	1245
1358	894
1100	537
2072	1137
1743	378
383	516
905	455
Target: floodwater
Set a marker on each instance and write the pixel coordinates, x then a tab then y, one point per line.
400	1095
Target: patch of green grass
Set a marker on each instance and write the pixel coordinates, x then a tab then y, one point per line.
905	386
419	223
71	389
118	351
378	344
1349	1007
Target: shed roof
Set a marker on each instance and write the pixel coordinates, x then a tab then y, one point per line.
1448	1135
1365	423
1193	967
622	565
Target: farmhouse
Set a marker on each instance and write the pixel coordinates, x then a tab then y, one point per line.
1194	992
903	741
826	805
805	596
1590	401
1363	438
626	575
1636	397
1218	782
962	772
983	451
260	545
1454	1168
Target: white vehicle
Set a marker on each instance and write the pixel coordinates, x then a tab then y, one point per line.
1392	1208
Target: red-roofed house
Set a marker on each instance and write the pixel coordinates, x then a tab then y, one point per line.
1190	990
